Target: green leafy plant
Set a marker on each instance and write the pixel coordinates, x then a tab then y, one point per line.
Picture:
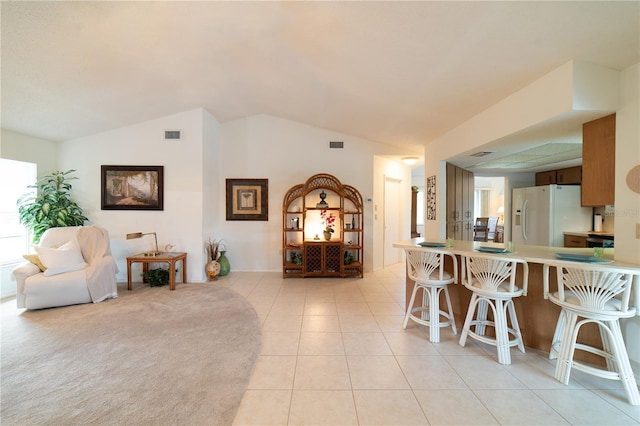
50	205
348	258
157	277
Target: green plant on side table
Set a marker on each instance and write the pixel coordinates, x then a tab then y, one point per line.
50	206
157	277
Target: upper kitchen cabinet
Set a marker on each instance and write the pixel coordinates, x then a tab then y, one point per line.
598	161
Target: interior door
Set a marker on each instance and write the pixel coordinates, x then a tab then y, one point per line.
392	221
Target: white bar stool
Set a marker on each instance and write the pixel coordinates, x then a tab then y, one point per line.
492	279
425	266
591	293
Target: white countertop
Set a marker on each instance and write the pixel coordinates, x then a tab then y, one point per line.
533	254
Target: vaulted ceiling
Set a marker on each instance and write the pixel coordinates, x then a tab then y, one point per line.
399	73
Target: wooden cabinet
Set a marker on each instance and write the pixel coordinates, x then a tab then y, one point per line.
460	191
546	178
598	161
322	258
566	176
305	252
575	241
569	176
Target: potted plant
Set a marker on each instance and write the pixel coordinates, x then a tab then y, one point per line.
50	206
157	277
329	222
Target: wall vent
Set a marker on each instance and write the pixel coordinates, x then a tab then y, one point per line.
172	134
336	144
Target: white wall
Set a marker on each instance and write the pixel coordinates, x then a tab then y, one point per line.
19	147
181	221
288	153
627	207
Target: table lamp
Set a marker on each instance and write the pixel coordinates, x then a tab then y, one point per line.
139	235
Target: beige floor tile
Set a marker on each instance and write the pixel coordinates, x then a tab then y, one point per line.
410	342
273	372
355	308
282	323
322	372
481	372
321	343
358	323
388	407
430	372
366	344
392	322
376	372
280	343
284	307
318	407
320	323
519	407
538	373
320	308
452	384
451	407
386	308
584	407
263	408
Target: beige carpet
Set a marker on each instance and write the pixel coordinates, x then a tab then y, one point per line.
149	357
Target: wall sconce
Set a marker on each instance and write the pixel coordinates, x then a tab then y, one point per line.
136	235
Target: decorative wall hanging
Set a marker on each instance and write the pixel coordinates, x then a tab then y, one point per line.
247	199
431	198
132	188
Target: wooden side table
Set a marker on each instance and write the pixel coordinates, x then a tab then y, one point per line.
169	257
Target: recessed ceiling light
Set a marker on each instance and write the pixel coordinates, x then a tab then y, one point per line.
410	160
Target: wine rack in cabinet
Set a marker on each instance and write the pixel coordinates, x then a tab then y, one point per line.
308	209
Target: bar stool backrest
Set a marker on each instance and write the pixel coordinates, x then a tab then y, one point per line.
591	286
422	264
491	271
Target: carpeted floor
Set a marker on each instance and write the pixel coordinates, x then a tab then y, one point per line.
149	357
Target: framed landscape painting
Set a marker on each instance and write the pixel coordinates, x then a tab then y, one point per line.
132	187
247	199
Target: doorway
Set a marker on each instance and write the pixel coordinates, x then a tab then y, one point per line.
392	221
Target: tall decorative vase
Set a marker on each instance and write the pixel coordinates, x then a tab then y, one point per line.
327	236
225	267
212	268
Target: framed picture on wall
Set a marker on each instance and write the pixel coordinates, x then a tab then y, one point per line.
247	199
132	187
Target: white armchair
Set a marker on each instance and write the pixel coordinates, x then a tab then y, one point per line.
80	269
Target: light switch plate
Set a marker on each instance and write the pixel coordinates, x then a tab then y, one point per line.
637	231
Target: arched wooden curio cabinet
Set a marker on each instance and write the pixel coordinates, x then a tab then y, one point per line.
305	209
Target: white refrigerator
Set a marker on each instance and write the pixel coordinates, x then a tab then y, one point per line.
541	214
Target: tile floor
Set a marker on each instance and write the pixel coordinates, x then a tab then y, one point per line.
334	353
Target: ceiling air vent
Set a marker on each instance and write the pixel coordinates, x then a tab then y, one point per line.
172	134
481	153
334	144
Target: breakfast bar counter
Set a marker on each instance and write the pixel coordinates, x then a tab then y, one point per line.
537	316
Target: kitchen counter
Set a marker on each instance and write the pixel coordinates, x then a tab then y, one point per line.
587	233
537	316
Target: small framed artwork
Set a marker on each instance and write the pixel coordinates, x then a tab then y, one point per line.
247	199
431	198
132	187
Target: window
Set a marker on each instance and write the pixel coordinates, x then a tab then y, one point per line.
15	176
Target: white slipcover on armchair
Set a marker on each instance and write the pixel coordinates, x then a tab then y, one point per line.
78	265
